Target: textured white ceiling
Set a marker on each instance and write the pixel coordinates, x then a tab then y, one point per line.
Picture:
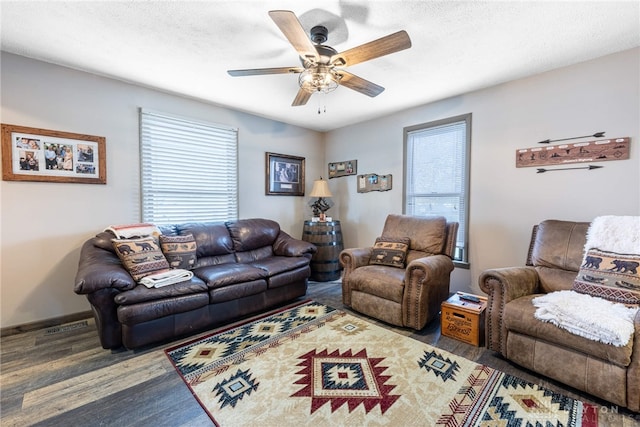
186	47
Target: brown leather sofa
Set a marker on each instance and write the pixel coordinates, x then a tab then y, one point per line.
409	296
554	259
243	267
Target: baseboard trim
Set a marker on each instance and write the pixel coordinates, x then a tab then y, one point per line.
46	323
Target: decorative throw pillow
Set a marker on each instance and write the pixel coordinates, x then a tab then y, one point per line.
391	252
180	251
141	257
608	275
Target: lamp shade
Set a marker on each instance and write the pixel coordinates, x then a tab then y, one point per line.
320	189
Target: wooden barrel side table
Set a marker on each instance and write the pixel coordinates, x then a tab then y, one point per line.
327	237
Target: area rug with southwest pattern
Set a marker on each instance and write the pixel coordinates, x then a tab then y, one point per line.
315	365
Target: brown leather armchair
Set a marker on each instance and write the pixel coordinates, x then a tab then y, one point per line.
410	295
554	259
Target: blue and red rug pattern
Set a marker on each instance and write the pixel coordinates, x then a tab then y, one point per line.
314	365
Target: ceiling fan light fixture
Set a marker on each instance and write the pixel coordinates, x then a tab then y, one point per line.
318	79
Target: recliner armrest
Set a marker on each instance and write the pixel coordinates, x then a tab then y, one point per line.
426	287
503	285
350	259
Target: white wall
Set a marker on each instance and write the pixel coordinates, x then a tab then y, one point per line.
599	95
43	225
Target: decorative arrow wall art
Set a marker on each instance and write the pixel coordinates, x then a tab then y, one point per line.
595	135
590	167
578	152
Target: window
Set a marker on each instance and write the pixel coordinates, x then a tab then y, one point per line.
437	173
189	170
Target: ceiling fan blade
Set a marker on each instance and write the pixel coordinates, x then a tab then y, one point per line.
383	46
293	31
359	84
262	71
301	98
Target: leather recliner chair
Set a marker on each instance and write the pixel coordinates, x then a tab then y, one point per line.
408	295
554	260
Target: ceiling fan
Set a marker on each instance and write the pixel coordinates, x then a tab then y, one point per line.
322	66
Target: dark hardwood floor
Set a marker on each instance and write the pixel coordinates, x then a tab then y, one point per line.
63	377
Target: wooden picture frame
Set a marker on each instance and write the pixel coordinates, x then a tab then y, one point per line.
285	175
338	169
33	154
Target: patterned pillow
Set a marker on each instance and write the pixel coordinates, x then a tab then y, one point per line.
611	276
180	251
391	252
141	257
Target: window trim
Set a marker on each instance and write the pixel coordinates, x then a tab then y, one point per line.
467	118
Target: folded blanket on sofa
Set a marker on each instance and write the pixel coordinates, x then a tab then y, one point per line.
166	277
128	231
590	317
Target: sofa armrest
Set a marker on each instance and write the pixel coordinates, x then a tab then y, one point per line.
426	287
285	245
100	269
503	285
350	259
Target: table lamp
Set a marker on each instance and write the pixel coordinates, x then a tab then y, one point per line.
321	191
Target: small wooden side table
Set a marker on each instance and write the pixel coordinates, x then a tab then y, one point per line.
463	319
327	237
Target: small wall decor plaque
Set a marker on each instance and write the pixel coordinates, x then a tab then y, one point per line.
579	152
31	154
338	169
374	182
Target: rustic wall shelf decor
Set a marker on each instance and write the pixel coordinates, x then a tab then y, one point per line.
374	182
339	169
579	152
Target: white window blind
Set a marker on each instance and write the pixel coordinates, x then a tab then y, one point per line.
189	170
437	168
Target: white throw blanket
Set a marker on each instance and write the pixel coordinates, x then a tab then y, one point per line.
166	277
611	233
590	317
134	230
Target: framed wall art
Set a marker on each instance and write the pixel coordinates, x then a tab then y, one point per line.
32	154
285	175
338	169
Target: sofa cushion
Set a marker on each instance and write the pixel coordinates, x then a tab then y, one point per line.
287	277
141	257
141	293
151	310
427	233
608	275
250	234
279	264
519	316
212	238
218	276
379	280
180	251
390	251
237	291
